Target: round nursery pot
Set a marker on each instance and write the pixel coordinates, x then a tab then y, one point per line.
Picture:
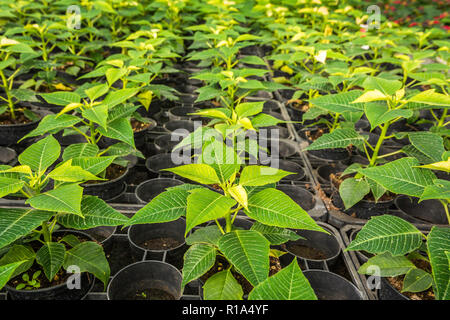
11	133
155	164
330	286
107	190
182	113
317	250
149	189
140	134
69	139
159	241
427	211
291	167
146	280
324	171
271	106
388	292
8	156
60	291
281	148
165	143
103	235
364	209
301	196
185	125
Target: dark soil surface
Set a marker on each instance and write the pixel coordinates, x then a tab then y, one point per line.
307	252
139	126
160	243
152	294
5	118
114	171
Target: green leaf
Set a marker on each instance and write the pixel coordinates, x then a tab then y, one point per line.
89	257
274	208
7	271
247	109
431	97
167	206
208	93
275	235
16	223
53	123
222	286
10	185
97	114
340	102
429	143
387	234
118	97
438	244
377	190
417	280
387	265
248	251
121	130
439	190
94	165
253	60
61	98
265	120
66	172
401	176
353	191
198	172
205	235
51	257
96	91
287	284
261	175
339	138
19	253
197	261
41	155
64	199
204	205
96	213
221	158
387	87
78	150
377	114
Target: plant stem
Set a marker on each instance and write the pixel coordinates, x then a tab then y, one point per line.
374	158
46	232
446	210
8	96
441	121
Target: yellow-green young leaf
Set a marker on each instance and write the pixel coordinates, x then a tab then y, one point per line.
204	205
10	185
19	169
246	123
287	284
239	194
7	271
70	107
197	261
387	265
261	175
78	150
387	234
114	74
66	172
116	63
248	251
97	114
438	243
212	113
369	96
222	286
247	109
146	98
417	280
96	92
199	172
441	166
64	199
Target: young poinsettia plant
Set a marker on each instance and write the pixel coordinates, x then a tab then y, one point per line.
93	118
55	199
402	252
383	102
244	253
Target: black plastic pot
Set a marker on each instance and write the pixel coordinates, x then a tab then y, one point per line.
172	126
164	143
427	211
362	255
388	292
107	190
140	136
69	139
301	196
11	133
171	246
182	113
291	167
239	222
157	163
158	280
324	247
281	148
61	291
103	235
330	286
149	189
324	171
